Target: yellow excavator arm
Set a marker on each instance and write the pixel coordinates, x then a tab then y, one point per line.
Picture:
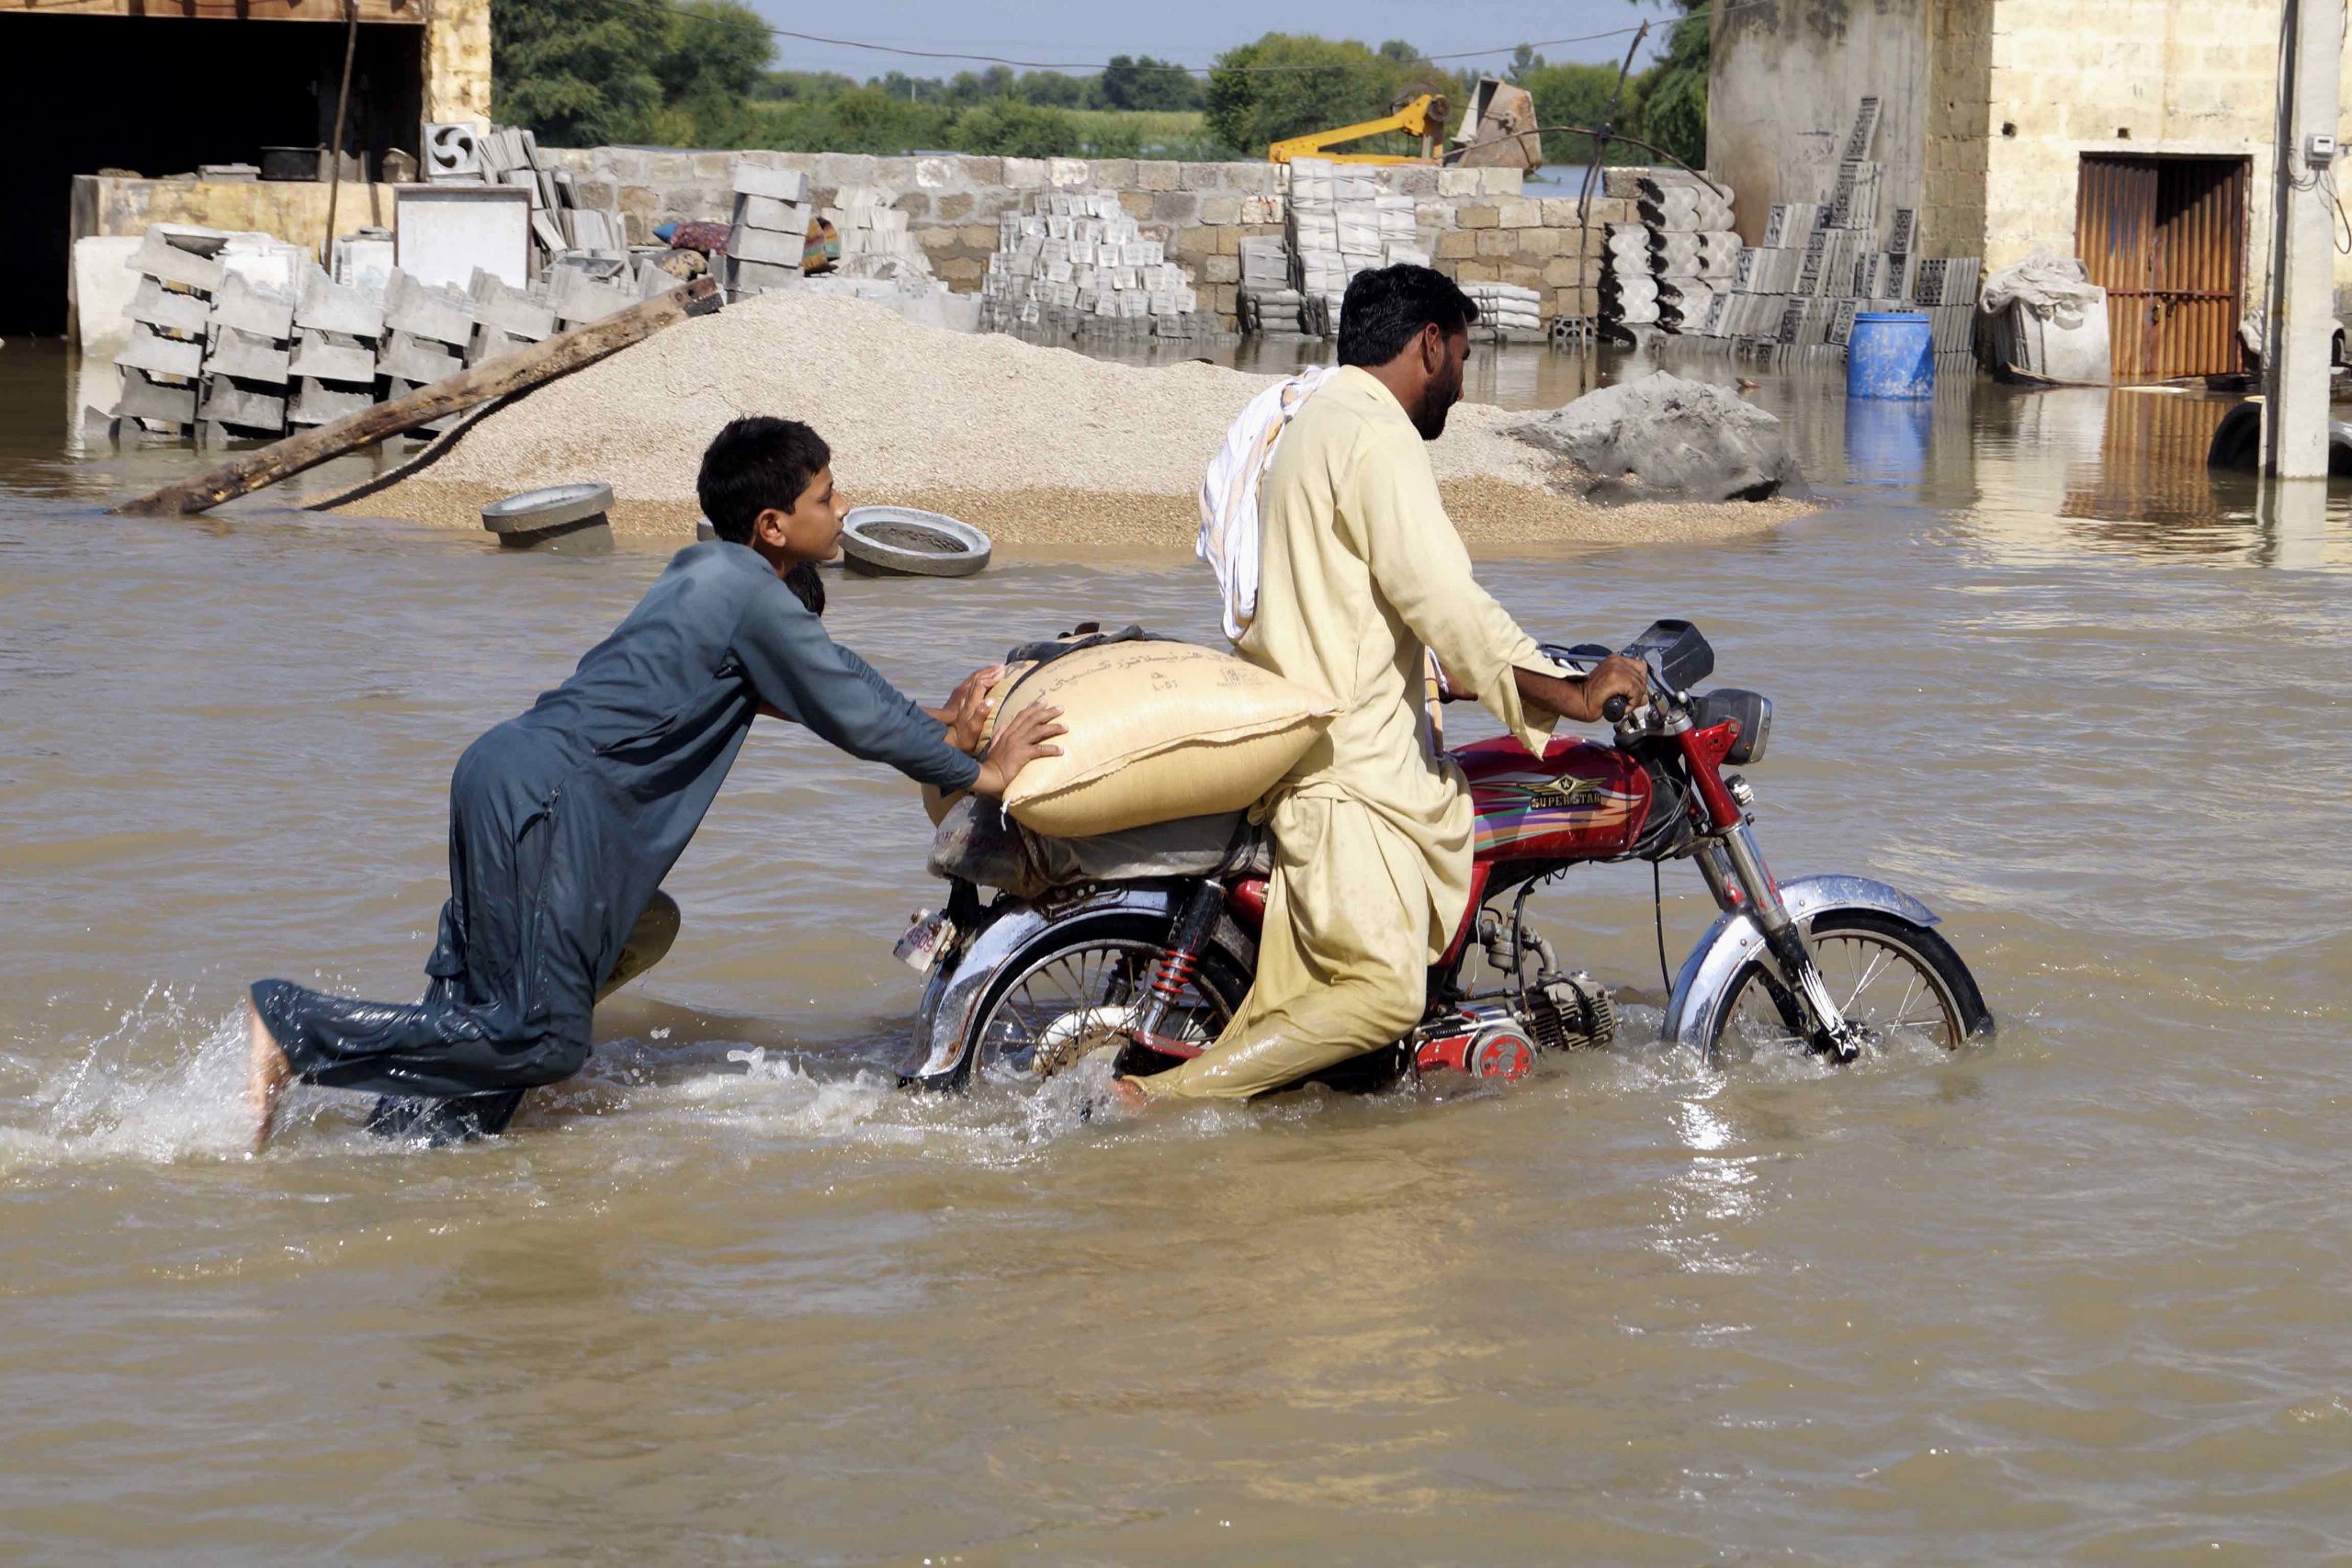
1423	117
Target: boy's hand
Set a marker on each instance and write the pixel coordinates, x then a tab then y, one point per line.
1018	739
967	709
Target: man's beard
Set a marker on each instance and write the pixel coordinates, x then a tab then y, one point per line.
1438	398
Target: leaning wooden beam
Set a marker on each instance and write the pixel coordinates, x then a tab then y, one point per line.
452	394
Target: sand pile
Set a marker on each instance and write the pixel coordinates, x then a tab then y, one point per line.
1040	446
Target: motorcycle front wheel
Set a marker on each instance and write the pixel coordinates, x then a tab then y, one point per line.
1071	991
1903	983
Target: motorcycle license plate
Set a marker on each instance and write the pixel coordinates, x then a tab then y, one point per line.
925	941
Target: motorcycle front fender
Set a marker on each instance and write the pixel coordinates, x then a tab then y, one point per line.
1704	985
944	1022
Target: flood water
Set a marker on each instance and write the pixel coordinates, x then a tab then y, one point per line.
2077	1296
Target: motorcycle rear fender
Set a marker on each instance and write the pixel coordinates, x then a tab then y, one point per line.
1704	983
944	1022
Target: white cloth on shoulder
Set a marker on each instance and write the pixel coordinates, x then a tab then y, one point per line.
1229	493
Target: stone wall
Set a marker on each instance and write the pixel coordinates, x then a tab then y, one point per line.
1487	230
456	62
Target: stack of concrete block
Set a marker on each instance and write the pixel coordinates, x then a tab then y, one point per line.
163	364
426	333
1686	238
1506	312
771	229
249	342
1077	263
1628	287
875	239
507	319
1266	302
338	329
578	296
559	224
1337	226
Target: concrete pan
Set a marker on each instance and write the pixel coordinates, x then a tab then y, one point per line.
906	541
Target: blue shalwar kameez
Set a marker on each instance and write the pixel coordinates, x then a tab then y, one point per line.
563	822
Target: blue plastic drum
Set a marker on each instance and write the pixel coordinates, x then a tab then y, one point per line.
1891	354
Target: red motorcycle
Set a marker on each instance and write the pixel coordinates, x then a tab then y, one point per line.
1152	966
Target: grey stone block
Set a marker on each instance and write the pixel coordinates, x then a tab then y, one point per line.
489	343
144	397
443	315
150	351
776	185
225	402
777	217
411	358
332	356
249	356
578	298
157	306
157	257
503	307
765	245
327	306
753	278
319	403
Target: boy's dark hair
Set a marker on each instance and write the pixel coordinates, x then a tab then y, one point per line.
1388	307
755	464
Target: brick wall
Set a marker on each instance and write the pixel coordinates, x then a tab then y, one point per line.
1487	230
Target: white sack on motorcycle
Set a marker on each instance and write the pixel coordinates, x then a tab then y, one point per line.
1157	731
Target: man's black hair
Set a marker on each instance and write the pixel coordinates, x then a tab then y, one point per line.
1386	308
756	463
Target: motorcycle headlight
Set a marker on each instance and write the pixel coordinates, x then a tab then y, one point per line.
1751	710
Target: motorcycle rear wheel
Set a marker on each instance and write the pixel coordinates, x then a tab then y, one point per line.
1064	999
1902	982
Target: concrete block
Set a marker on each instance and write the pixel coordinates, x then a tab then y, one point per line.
1568	272
1025	174
1200	176
154	305
754	278
1458	182
249	308
1158	174
772	184
1518	213
489	343
144	397
246	355
1477	272
1175	207
1114	173
578	298
1500	182
150	351
839	169
157	257
1221	269
317	402
99	290
1479	217
327	306
1220	209
1456	244
1497	242
442	315
1252	179
765	246
1413	179
1067	174
1520	274
407	357
501	307
224	401
332	357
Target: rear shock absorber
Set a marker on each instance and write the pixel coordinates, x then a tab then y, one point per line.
1178	963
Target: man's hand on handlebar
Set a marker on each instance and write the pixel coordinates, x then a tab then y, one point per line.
1585	699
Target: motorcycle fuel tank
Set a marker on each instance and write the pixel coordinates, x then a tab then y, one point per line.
1579	801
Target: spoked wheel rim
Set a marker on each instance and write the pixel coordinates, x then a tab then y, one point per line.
1075	1001
1888	988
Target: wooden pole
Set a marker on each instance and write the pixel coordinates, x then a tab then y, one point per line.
543	362
335	154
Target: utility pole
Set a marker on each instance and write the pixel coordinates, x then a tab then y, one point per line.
2300	327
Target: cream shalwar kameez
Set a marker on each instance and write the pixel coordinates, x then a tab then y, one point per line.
1360	572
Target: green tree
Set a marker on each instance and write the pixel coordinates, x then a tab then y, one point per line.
1051	89
1524	62
1402	52
1143	82
1289	84
714	58
1580	95
1009	127
577	72
1674	93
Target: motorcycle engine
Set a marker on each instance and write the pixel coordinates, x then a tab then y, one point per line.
1568	1012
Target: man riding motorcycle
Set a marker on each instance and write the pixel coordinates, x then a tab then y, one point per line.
1342	572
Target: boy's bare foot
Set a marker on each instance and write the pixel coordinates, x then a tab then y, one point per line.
1129	1096
268	1076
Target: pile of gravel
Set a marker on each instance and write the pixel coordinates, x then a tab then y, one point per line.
1037	444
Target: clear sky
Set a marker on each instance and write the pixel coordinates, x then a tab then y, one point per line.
1087	33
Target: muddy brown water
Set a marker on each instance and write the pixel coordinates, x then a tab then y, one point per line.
2079	1296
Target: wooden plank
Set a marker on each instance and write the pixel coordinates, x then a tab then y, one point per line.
544	362
409	12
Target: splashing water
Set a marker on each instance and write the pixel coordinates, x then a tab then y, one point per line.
123	1099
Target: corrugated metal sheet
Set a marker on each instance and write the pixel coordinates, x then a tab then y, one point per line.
2165	237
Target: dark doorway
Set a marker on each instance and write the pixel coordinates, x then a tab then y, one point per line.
160	95
2165	237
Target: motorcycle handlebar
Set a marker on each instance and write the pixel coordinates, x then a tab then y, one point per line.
1615	709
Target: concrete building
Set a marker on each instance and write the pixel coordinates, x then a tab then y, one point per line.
2136	134
161	87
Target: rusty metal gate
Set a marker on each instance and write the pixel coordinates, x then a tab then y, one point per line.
2165	237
